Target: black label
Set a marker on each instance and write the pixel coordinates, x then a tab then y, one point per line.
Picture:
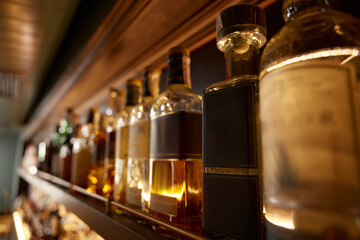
229	127
176	135
232	205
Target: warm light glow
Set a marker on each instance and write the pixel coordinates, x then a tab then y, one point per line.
145	196
18	226
283	219
32	170
42	151
351	52
177	195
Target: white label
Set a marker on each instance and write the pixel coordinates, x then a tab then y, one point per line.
163	204
309	129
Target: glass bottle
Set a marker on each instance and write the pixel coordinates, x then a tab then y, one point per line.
310	101
109	164
230	153
175	147
81	152
67	132
138	185
55	147
97	141
133	98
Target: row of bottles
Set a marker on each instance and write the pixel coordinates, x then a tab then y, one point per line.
278	149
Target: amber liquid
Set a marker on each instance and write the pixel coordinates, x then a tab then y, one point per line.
96	179
109	168
179	184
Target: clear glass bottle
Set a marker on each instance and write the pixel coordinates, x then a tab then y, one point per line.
175	147
97	141
133	97
309	108
109	163
138	185
230	107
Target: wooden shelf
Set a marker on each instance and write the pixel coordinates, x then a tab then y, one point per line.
95	210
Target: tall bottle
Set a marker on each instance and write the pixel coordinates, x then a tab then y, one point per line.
232	168
83	150
133	98
310	101
55	147
109	164
175	147
67	132
97	141
138	185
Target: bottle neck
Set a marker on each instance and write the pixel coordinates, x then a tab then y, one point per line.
241	58
133	96
179	70
112	106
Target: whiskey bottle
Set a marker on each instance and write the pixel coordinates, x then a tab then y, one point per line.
97	151
175	147
55	147
67	132
109	163
133	98
81	152
138	185
310	123
232	170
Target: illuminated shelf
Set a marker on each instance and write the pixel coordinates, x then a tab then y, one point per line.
95	210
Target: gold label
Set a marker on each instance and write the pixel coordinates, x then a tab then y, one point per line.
139	140
124	142
163	204
309	127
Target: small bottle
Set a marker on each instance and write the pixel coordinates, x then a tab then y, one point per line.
44	156
109	164
232	168
175	147
133	98
138	185
67	132
310	123
81	152
97	141
55	147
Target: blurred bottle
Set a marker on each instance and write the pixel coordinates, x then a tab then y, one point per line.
97	141
122	138
44	156
67	132
55	147
138	184
310	122
109	164
83	150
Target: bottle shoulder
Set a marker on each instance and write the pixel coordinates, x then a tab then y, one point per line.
311	32
174	100
140	112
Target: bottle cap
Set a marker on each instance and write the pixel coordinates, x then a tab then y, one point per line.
230	19
134	82
180	50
